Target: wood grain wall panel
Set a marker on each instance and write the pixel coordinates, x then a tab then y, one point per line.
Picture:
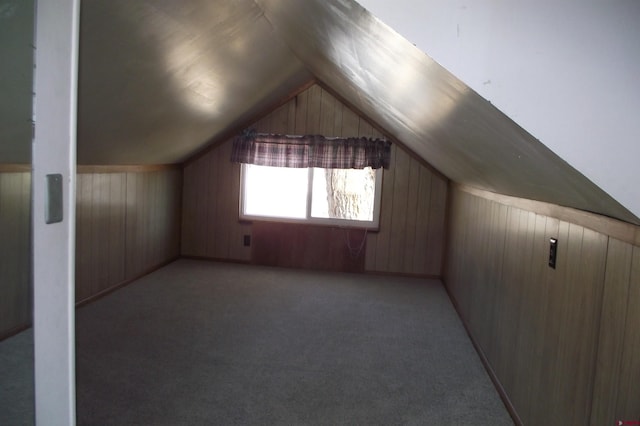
15	251
530	341
126	224
306	246
301	103
508	293
203	212
398	231
413	195
628	403
423	218
378	244
436	225
613	328
227	212
561	341
100	221
190	208
136	223
483	292
314	105
210	225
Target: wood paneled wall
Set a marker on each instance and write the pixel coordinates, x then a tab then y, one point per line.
304	246
564	343
15	251
210	226
411	235
127	223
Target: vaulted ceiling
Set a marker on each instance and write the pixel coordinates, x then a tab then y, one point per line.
159	80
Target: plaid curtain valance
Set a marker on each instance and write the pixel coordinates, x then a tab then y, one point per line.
310	151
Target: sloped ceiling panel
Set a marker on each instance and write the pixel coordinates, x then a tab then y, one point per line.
159	78
427	108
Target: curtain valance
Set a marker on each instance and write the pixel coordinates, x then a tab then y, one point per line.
310	151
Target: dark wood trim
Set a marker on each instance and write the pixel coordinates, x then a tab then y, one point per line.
124	283
379	273
379	128
234	130
485	362
14	331
216	259
15	168
132	168
611	227
402	274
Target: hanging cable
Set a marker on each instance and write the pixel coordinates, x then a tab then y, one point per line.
355	252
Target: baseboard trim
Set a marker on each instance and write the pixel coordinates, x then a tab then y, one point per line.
132	168
124	283
216	259
15	168
16	330
487	365
403	274
381	273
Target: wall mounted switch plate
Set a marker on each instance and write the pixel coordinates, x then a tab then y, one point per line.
53	203
553	252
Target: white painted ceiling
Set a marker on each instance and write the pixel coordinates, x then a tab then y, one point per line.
159	80
567	71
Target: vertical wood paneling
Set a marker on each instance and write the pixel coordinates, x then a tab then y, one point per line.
422	245
398	229
306	246
301	104
613	325
15	251
561	342
628	403
136	199
100	204
189	210
83	263
436	225
210	223
126	224
413	196
227	212
379	242
314	105
530	342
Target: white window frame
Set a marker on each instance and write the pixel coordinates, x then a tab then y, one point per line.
372	225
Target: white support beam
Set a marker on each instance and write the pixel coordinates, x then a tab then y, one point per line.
55	82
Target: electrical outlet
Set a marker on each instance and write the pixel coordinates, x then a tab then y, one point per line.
553	252
247	240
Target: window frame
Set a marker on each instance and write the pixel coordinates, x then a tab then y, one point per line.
372	225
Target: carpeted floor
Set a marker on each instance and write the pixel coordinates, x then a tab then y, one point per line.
202	343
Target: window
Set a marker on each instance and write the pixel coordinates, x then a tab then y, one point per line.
342	197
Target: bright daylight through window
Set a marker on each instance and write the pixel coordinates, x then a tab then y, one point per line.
342	197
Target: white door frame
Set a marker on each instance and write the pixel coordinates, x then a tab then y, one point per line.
54	149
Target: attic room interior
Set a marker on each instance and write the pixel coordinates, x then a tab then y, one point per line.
497	285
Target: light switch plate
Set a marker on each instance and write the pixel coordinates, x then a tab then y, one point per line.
553	252
53	202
